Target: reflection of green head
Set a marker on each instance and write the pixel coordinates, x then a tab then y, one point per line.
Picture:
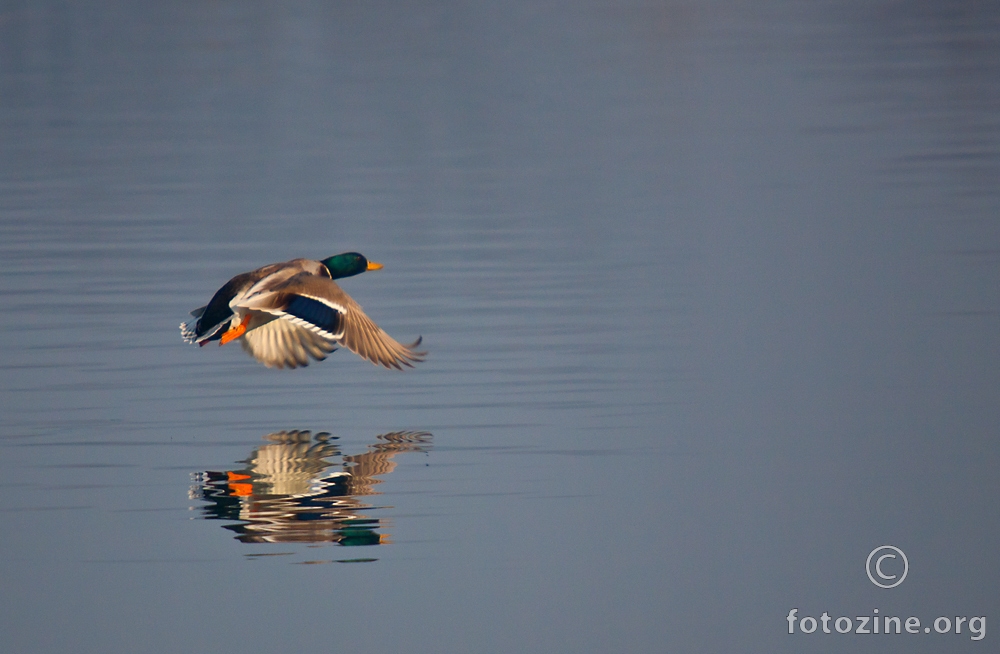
348	264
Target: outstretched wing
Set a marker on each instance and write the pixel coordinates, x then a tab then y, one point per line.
318	304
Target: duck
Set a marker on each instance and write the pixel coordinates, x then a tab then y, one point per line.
284	314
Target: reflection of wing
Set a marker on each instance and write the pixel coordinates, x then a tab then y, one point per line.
365	468
291	463
280	344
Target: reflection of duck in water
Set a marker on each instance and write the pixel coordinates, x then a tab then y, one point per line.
285	313
289	493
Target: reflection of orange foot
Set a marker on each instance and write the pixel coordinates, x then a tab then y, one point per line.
239	485
233	334
241	490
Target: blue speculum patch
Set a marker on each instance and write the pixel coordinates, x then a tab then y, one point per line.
315	312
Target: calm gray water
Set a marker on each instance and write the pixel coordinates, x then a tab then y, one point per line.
710	292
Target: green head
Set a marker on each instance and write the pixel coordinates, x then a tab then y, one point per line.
348	264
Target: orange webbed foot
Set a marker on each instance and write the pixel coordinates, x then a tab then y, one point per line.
233	333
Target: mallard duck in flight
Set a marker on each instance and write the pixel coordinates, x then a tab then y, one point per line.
284	313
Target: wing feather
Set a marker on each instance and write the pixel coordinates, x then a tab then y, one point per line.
283	344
